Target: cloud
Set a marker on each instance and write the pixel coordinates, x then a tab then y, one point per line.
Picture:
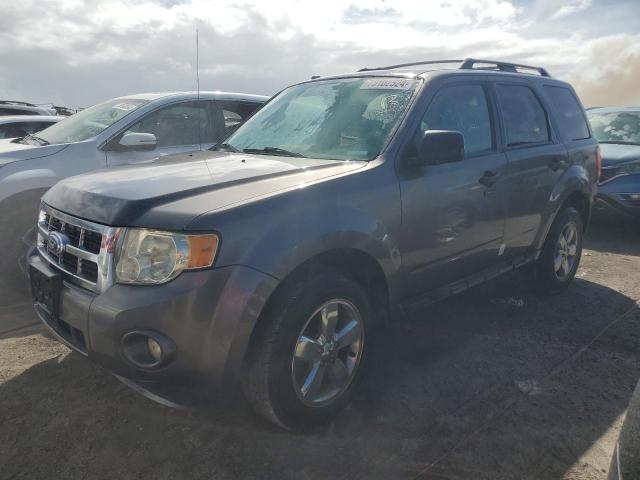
571	8
79	52
610	72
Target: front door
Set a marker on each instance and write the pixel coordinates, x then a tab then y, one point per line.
453	214
179	128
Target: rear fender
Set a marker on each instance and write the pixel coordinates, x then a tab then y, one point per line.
574	179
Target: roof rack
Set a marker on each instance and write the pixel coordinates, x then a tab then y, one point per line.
15	102
468	64
412	64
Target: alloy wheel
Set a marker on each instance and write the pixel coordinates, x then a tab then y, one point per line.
327	352
565	251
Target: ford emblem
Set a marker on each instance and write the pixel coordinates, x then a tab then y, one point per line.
56	243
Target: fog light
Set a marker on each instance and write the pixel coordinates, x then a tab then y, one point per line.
154	349
148	349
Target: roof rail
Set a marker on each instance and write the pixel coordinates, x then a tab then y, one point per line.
412	64
468	64
15	102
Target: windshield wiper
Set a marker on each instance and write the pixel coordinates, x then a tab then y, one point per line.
39	140
224	147
273	151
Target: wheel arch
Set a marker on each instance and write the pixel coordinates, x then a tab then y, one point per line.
353	263
573	190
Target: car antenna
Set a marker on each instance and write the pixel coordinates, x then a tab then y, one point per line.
197	64
198	86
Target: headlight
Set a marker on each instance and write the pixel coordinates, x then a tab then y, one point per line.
151	257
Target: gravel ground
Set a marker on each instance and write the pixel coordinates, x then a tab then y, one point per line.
493	384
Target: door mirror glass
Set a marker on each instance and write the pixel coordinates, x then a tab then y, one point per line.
137	141
440	146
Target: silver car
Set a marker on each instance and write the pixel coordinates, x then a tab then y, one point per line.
126	130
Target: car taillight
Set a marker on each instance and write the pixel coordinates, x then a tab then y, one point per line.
598	163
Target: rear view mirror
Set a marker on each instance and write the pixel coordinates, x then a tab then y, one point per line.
137	141
440	146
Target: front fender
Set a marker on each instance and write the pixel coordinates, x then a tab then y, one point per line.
358	212
293	243
13	183
574	179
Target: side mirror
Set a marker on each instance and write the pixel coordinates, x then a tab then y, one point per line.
440	146
137	141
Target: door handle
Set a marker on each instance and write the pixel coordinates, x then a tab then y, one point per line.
488	178
555	163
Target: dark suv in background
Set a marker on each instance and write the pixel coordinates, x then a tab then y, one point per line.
617	130
344	202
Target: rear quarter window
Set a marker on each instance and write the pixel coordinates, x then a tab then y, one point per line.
569	111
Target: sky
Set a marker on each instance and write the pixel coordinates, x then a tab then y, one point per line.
80	52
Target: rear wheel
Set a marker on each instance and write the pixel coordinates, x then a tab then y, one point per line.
308	351
560	257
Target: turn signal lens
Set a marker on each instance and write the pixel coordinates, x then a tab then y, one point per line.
202	250
598	163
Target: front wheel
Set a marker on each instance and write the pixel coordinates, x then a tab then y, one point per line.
560	257
308	351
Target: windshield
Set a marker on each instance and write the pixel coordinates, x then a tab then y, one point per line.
345	119
90	122
616	127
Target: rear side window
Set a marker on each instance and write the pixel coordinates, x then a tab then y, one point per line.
572	119
524	117
462	108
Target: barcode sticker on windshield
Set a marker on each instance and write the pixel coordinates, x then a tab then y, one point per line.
387	84
125	106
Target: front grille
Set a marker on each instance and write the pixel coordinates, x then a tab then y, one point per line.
79	237
83	258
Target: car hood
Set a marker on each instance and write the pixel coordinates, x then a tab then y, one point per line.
174	190
12	152
614	154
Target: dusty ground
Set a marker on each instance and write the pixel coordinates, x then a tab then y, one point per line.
493	384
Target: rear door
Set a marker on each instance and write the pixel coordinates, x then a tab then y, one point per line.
179	128
572	121
453	214
537	159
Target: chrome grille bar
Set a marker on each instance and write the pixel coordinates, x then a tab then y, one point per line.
93	271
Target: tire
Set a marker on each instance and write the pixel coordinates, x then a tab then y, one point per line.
288	345
559	261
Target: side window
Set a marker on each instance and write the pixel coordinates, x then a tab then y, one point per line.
525	119
15	111
13	130
181	124
463	108
235	113
571	115
4	130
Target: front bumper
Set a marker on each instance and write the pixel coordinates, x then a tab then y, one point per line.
209	315
616	197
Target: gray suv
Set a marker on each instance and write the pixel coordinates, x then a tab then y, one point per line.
343	203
